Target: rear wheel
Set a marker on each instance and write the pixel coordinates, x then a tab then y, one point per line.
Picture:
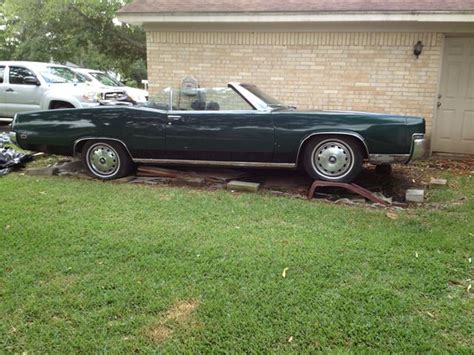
332	158
106	160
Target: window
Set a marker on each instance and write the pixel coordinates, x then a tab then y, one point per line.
18	74
2	72
82	77
262	96
215	99
106	79
159	101
61	75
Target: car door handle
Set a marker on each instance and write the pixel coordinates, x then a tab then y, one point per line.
9	90
174	117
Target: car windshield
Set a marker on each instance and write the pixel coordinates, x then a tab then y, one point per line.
199	99
105	79
208	99
83	77
270	101
160	101
60	75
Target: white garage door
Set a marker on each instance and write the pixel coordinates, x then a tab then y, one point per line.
454	130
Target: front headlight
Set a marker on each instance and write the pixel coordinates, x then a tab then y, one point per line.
91	96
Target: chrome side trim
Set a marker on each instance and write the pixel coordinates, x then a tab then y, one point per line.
352	134
184	112
215	163
388	158
74	150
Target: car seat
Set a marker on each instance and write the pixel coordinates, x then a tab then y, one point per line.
212	106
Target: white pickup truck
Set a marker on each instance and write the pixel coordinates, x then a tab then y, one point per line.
33	86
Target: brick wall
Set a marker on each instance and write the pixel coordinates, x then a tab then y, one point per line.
366	71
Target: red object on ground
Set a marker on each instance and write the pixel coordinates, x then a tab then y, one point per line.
351	187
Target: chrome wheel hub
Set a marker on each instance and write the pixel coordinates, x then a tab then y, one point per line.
103	159
332	158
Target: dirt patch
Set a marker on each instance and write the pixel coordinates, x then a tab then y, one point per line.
178	316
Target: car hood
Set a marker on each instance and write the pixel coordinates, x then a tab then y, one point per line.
81	88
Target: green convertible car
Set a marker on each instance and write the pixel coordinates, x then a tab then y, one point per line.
236	126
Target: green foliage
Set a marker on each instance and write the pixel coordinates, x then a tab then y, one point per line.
77	31
89	267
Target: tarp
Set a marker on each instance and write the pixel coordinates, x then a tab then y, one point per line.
9	157
4	138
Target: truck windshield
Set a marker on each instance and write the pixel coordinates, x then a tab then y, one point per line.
60	75
106	79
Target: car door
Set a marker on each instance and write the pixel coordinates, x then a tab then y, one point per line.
3	108
20	95
217	125
145	128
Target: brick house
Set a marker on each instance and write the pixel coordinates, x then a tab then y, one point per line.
318	54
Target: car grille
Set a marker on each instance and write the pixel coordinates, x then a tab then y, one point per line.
114	96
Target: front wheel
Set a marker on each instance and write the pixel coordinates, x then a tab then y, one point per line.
337	159
106	160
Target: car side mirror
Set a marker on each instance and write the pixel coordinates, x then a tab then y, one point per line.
31	80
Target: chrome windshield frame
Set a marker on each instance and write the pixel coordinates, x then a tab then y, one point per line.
251	98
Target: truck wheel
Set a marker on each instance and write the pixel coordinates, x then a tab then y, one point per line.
333	158
61	105
106	160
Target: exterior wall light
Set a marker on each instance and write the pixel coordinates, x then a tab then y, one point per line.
418	49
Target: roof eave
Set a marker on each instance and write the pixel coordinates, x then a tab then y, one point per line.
278	17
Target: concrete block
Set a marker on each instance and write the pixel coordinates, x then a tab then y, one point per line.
415	195
48	171
438	182
189	181
243	186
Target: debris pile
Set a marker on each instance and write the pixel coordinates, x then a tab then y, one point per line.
10	159
198	178
4	139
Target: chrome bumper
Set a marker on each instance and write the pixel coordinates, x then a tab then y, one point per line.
12	136
417	147
417	151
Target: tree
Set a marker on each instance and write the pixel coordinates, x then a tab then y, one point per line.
84	32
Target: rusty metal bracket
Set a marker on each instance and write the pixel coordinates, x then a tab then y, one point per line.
351	187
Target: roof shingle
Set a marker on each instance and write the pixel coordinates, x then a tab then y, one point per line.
223	6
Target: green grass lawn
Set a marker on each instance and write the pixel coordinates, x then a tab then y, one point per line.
87	266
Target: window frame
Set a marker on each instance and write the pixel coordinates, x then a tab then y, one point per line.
21	67
2	77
